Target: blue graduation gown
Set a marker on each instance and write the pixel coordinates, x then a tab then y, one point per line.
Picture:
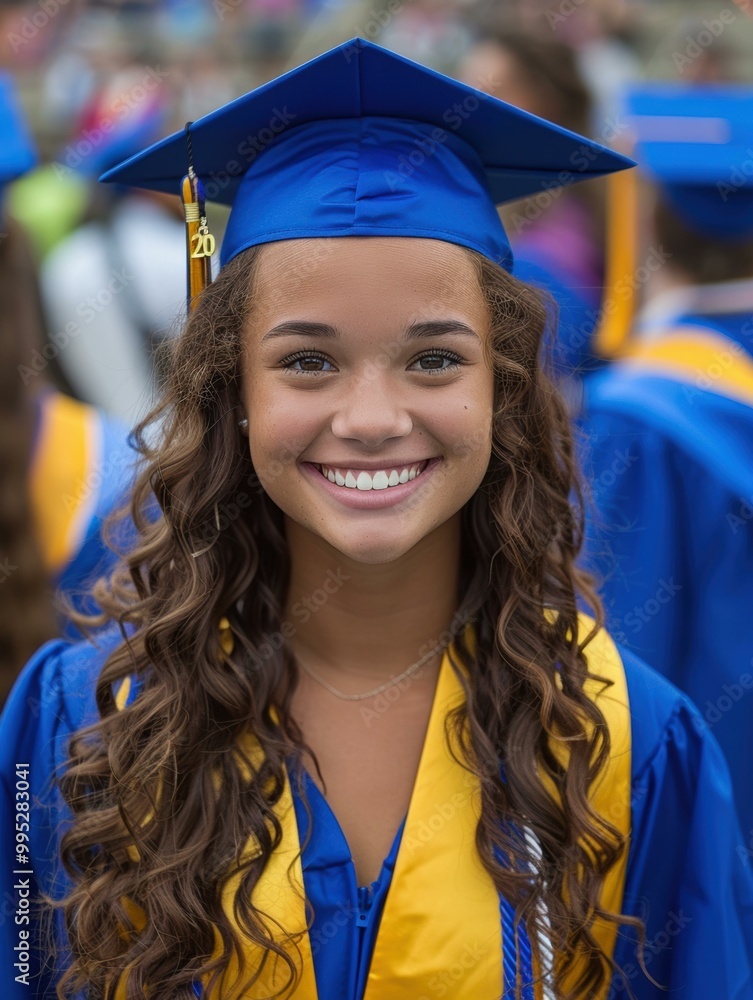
689	872
103	483
671	536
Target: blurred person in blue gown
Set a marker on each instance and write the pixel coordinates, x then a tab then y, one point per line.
64	464
669	426
346	731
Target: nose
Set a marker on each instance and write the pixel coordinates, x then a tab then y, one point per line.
371	409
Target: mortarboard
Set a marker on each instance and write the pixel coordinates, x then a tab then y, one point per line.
17	153
696	144
361	141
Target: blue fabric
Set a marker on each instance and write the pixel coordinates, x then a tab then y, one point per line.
361	141
695	142
689	871
111	477
17	153
567	345
671	538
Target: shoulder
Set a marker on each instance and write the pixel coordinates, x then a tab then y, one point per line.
53	696
650	416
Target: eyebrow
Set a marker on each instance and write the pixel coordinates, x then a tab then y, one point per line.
417	331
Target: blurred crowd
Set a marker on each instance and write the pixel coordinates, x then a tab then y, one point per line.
95	274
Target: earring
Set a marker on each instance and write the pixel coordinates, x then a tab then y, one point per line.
243	424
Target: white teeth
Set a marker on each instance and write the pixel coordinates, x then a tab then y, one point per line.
378	480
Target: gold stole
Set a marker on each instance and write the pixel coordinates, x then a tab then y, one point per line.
698	356
62	501
442	913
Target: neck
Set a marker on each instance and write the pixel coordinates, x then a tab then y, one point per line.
370	621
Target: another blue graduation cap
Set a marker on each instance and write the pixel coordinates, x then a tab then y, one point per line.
17	153
363	142
696	143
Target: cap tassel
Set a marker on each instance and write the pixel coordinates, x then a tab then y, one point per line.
200	244
618	302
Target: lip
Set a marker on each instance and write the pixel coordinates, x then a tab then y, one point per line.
369	499
367	466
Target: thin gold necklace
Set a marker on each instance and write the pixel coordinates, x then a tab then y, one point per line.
377	690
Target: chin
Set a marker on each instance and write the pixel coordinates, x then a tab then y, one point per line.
375	551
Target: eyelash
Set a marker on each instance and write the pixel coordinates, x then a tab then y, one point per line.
287	362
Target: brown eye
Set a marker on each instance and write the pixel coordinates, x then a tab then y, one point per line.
436	359
309	361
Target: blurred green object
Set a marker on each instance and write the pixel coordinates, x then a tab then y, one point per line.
49	202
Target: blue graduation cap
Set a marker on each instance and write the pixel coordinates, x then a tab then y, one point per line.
17	153
696	143
363	142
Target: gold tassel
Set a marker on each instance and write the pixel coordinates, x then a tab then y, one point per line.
618	300
200	244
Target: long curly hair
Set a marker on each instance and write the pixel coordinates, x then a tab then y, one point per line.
147	776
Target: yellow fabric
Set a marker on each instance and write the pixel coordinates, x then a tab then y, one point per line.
621	251
61	502
699	356
442	910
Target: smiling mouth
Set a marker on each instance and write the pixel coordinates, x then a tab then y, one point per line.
374	479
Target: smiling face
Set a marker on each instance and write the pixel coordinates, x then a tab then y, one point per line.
364	363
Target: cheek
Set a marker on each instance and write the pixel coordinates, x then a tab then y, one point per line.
468	427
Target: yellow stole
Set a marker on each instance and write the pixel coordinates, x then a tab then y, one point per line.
698	356
442	910
68	442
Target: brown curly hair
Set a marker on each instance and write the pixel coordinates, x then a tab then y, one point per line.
146	776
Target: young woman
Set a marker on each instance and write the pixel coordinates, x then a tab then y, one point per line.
348	736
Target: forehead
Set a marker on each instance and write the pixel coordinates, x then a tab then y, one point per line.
400	274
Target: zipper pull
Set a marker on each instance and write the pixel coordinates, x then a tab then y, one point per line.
364	905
